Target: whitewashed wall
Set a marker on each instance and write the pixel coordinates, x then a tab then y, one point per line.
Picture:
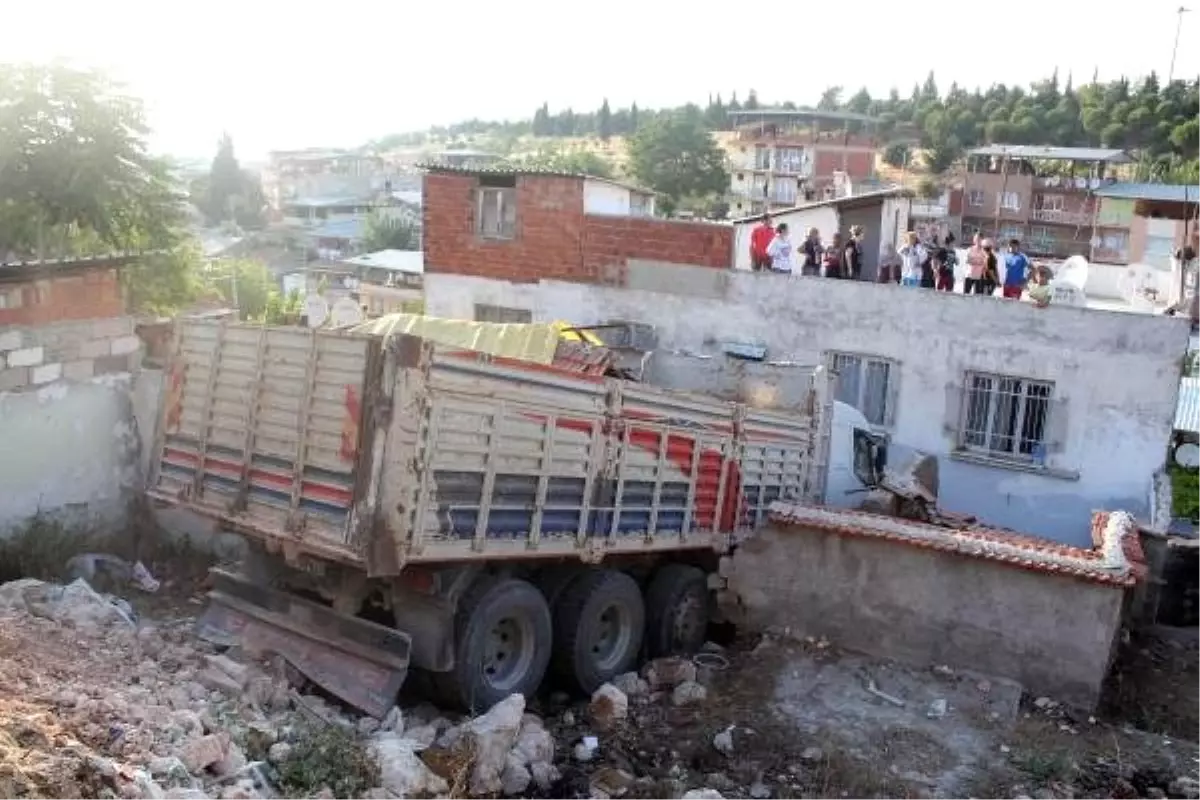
1116	375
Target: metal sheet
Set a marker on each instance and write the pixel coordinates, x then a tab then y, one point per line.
360	662
1187	410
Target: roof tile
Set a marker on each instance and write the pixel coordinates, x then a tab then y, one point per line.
1116	557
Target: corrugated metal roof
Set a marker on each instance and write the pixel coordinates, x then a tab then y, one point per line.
351	228
534	171
1053	153
410	261
1165	192
847	202
1187	409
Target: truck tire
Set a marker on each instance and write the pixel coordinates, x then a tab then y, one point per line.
677	611
599	621
503	641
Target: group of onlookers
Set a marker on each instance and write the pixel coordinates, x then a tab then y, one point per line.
928	264
771	250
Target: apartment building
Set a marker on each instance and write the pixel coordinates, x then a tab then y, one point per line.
1044	196
1145	223
781	158
299	175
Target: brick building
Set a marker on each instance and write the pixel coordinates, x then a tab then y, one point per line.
64	320
523	226
1045	196
781	158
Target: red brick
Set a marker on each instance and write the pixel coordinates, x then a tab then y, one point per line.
94	294
554	238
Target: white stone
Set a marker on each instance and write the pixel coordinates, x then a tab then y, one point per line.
669	672
608	707
401	771
545	775
515	778
421	736
631	684
688	693
723	741
125	345
46	373
493	735
534	743
11	340
393	721
201	753
703	794
279	752
27	357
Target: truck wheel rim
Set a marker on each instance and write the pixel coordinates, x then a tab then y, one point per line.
686	620
509	653
612	637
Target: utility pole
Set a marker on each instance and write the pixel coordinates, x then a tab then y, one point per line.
1175	49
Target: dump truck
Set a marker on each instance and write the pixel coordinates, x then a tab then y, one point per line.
462	517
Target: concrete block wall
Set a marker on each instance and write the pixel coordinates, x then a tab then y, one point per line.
36	355
869	591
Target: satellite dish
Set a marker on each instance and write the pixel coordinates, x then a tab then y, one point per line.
345	312
1074	271
1187	455
1139	286
316	309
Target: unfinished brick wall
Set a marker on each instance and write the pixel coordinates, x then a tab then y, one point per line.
555	239
609	243
546	245
90	294
73	351
856	163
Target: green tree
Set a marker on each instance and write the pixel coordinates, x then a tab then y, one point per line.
76	179
604	121
243	283
228	193
897	154
74	165
676	156
387	232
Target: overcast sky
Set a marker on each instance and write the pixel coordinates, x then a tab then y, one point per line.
282	75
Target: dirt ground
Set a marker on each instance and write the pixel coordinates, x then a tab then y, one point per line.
89	712
804	724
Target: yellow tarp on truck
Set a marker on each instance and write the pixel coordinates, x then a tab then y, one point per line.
534	343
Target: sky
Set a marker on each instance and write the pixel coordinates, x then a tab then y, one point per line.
281	75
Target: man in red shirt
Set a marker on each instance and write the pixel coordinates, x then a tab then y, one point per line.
760	240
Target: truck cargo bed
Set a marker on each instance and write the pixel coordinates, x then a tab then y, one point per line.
384	451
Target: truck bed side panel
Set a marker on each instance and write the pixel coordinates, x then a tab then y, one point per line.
263	427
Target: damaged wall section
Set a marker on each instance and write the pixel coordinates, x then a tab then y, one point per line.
73	405
1045	615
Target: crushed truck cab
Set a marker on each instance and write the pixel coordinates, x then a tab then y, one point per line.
481	516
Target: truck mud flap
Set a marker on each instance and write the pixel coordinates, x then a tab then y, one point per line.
360	662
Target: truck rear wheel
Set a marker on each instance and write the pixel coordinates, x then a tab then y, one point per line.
503	641
677	611
599	621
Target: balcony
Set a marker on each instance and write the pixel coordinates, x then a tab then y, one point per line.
1065	183
929	210
1056	217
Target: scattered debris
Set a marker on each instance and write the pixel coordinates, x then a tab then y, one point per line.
937	709
873	689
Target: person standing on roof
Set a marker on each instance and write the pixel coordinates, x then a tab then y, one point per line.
976	264
852	264
912	257
1016	271
810	253
780	250
760	239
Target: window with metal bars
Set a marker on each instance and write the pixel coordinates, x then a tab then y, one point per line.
864	383
1006	416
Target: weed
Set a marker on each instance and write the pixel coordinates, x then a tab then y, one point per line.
329	756
41	546
1045	766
